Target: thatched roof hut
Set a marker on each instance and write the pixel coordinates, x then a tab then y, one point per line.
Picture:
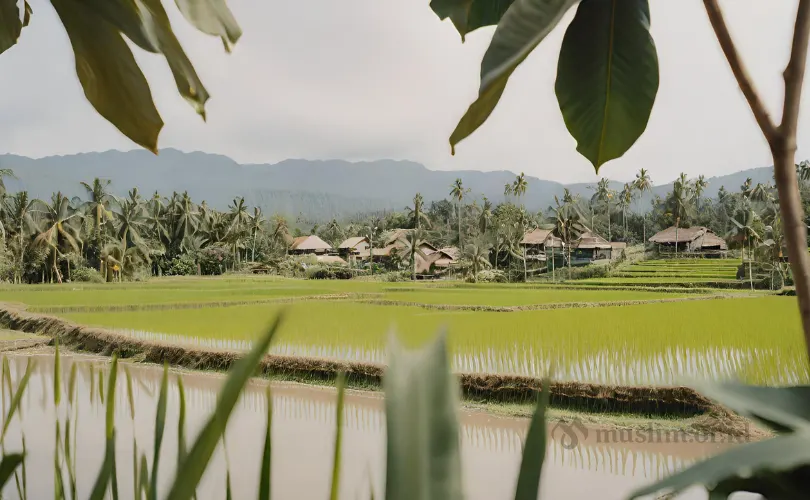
541	237
309	244
690	239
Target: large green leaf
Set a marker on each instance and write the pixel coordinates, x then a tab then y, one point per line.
607	77
534	451
523	26
469	15
110	77
10	24
423	456
185	76
752	466
212	17
8	465
129	19
781	408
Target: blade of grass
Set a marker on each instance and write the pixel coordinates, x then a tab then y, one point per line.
92	384
130	395
136	478
264	480
228	494
57	379
341	392
104	474
16	398
24	474
8	465
72	383
69	461
58	481
6	383
160	425
534	451
101	388
143	488
187	477
181	424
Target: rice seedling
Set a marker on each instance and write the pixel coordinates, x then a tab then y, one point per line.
755	339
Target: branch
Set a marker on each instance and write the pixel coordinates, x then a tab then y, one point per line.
740	73
794	73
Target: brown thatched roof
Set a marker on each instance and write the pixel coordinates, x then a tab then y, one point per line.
589	239
310	242
709	239
351	243
453	252
539	236
684	234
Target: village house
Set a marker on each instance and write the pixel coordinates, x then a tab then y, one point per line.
309	245
695	240
539	243
352	248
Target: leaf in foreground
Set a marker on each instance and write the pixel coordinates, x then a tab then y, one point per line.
8	465
423	454
109	74
341	394
534	451
16	398
607	77
524	25
469	15
758	463
266	470
106	471
187	477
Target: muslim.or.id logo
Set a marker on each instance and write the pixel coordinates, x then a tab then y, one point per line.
569	433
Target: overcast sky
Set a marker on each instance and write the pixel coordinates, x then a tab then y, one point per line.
370	79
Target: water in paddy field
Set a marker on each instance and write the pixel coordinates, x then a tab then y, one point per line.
581	462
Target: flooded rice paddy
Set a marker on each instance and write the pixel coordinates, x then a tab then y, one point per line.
582	462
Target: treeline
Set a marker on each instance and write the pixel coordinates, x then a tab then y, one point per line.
103	237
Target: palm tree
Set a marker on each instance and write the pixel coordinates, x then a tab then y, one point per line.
130	223
761	192
625	200
747	228
56	232
567	221
519	186
507	191
239	222
5	173
680	203
257	222
457	191
281	232
121	260
184	219
700	185
408	248
20	209
803	170
745	189
643	183
417	214
485	216
603	196
477	253
97	209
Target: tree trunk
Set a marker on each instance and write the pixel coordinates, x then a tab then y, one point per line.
644	229
525	273
750	257
677	223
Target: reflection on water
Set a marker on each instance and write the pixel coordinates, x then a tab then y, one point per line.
670	367
303	434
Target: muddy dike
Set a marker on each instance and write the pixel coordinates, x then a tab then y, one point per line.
681	402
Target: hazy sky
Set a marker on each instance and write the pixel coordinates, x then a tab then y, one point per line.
369	79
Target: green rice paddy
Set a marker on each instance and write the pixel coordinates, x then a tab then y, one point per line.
753	337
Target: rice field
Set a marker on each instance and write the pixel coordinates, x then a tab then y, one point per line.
753	337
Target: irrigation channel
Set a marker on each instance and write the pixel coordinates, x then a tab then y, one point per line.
582	462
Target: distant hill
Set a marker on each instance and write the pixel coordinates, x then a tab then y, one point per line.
317	190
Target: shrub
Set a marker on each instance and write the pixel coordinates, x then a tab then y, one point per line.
215	260
583	272
765	276
183	265
491	276
320	272
86	275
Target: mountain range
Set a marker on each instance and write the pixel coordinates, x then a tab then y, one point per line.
315	190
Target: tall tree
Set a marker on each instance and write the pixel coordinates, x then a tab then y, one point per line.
643	183
700	186
603	197
257	222
477	254
625	200
56	232
417	215
457	191
519	186
680	203
20	210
